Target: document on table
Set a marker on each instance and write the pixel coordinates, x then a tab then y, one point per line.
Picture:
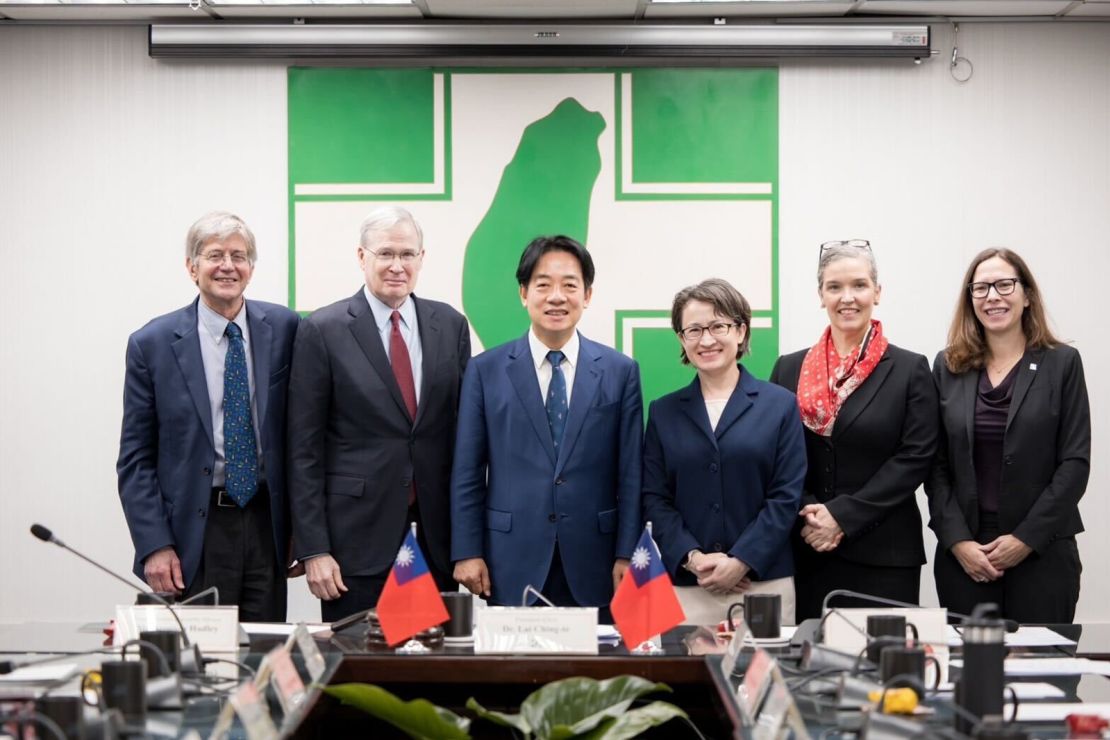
279	628
1055	666
47	673
1024	637
1055	711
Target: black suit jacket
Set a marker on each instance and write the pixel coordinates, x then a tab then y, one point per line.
880	451
353	449
1046	452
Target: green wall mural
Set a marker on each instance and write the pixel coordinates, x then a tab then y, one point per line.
667	175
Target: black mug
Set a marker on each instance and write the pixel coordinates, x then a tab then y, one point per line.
169	643
460	608
123	687
886	630
763	614
909	663
67	712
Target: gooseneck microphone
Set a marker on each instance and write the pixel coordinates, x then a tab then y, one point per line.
190	657
1009	624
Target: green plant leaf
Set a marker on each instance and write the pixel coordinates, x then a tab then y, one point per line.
515	721
635	721
572	706
418	718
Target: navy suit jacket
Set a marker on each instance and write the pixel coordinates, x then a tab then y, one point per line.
511	498
735	489
166	452
354	451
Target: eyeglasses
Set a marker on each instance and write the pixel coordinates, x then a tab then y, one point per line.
1005	286
216	257
857	243
694	332
386	256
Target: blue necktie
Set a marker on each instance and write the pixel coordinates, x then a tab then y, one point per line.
240	454
556	399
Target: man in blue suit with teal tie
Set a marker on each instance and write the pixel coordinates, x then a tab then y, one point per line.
202	450
545	489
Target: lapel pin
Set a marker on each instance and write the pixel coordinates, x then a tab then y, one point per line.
1032	366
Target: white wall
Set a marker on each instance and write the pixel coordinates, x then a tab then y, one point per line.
106	156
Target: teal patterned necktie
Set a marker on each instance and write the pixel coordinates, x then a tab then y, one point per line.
556	399
240	454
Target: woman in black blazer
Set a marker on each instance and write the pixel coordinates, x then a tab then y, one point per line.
870	412
1015	451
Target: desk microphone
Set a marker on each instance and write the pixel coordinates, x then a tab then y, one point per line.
1010	624
191	660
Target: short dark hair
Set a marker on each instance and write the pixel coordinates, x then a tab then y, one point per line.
726	300
541	245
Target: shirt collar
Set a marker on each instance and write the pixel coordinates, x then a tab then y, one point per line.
382	312
216	325
539	349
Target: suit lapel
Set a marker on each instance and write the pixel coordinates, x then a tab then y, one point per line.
1023	380
738	403
693	405
862	395
969	388
262	338
522	375
365	331
428	323
587	380
186	348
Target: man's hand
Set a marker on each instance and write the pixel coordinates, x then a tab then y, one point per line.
473	574
619	568
324	579
821	532
1006	551
162	571
721	574
975	562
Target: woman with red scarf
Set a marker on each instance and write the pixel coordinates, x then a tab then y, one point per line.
870	416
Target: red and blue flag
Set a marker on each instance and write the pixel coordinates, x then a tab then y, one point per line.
645	603
410	601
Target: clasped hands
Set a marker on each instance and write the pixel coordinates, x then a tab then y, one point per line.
988	562
719	573
821	531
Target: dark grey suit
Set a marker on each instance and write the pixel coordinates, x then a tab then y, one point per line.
354	452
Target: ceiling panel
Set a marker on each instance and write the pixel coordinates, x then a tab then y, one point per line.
102	13
565	9
751	8
965	7
1091	9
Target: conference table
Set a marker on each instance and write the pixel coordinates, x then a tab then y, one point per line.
690	665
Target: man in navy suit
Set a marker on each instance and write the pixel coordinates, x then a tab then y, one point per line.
201	464
545	489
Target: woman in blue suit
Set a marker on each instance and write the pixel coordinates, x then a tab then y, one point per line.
724	464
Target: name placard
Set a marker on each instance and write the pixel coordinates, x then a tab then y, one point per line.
511	629
213	628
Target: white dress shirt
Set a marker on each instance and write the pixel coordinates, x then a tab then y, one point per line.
543	367
410	332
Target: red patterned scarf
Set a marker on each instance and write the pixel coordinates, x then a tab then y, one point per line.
827	379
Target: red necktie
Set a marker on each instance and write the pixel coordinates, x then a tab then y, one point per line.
402	365
402	371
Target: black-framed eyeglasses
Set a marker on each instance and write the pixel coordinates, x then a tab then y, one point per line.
694	332
857	243
1005	286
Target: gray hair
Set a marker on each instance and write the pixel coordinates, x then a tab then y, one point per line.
843	251
385	218
218	226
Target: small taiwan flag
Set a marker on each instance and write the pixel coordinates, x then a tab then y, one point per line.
410	601
645	603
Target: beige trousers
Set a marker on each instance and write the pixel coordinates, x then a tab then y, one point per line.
704	608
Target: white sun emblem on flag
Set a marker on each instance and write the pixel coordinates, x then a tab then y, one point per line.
404	556
640	558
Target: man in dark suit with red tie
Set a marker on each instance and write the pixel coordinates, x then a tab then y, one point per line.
373	399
